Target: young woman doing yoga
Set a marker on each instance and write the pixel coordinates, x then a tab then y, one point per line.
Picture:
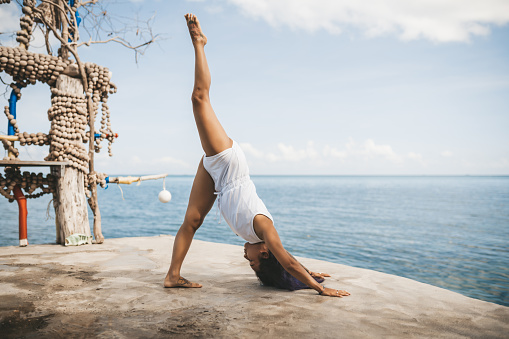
223	173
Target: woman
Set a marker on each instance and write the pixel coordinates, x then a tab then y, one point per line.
223	172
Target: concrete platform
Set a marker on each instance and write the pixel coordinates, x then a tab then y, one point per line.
114	290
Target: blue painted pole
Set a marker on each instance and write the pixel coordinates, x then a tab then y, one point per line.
98	135
78	19
12	109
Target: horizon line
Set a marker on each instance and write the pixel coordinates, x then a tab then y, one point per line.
338	175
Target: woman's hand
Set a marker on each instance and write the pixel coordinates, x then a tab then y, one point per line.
329	292
319	275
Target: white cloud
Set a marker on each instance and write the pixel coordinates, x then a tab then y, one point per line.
272	157
338	154
289	153
370	149
446	154
286	152
172	161
436	20
353	152
367	150
333	152
249	149
136	160
416	157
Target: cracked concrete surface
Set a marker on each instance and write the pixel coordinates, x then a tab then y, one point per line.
115	290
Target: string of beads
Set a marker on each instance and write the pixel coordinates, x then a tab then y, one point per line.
68	116
26	23
28	181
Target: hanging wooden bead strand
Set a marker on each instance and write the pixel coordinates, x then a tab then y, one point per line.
26	180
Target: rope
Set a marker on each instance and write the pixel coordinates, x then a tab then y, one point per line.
48	216
120	188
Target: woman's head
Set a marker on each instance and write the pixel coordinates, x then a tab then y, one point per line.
268	270
254	253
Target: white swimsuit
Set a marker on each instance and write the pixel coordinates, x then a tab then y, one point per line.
237	198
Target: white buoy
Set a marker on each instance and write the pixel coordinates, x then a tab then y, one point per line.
164	196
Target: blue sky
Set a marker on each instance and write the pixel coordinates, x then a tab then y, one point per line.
310	87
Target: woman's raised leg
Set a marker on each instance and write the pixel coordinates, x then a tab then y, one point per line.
212	135
201	201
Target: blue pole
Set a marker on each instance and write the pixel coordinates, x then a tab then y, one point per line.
78	19
12	109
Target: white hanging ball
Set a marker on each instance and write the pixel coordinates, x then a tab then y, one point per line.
164	196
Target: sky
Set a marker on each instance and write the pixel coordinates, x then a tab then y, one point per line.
306	87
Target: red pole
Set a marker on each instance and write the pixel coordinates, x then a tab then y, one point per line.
23	212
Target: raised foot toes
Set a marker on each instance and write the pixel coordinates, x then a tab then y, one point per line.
195	30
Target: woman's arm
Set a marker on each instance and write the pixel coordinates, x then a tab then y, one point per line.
313	274
264	227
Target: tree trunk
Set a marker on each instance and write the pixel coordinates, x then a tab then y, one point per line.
71	214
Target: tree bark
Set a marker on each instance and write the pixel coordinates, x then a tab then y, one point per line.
64	53
69	200
92	201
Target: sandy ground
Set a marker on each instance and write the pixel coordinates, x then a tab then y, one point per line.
114	290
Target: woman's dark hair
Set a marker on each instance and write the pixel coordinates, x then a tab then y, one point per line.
271	273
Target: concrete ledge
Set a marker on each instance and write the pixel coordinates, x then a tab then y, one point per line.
115	290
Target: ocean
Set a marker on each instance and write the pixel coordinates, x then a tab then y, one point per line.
451	232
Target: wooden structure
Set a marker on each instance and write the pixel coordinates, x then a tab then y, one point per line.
69	199
78	91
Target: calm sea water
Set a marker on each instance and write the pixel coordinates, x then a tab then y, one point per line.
451	232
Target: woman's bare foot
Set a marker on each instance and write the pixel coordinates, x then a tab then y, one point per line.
180	282
193	24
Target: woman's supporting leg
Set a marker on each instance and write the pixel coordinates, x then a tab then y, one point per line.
212	135
201	201
214	140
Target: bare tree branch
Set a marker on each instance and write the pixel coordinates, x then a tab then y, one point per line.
116	39
66	44
46	40
98	23
85	3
